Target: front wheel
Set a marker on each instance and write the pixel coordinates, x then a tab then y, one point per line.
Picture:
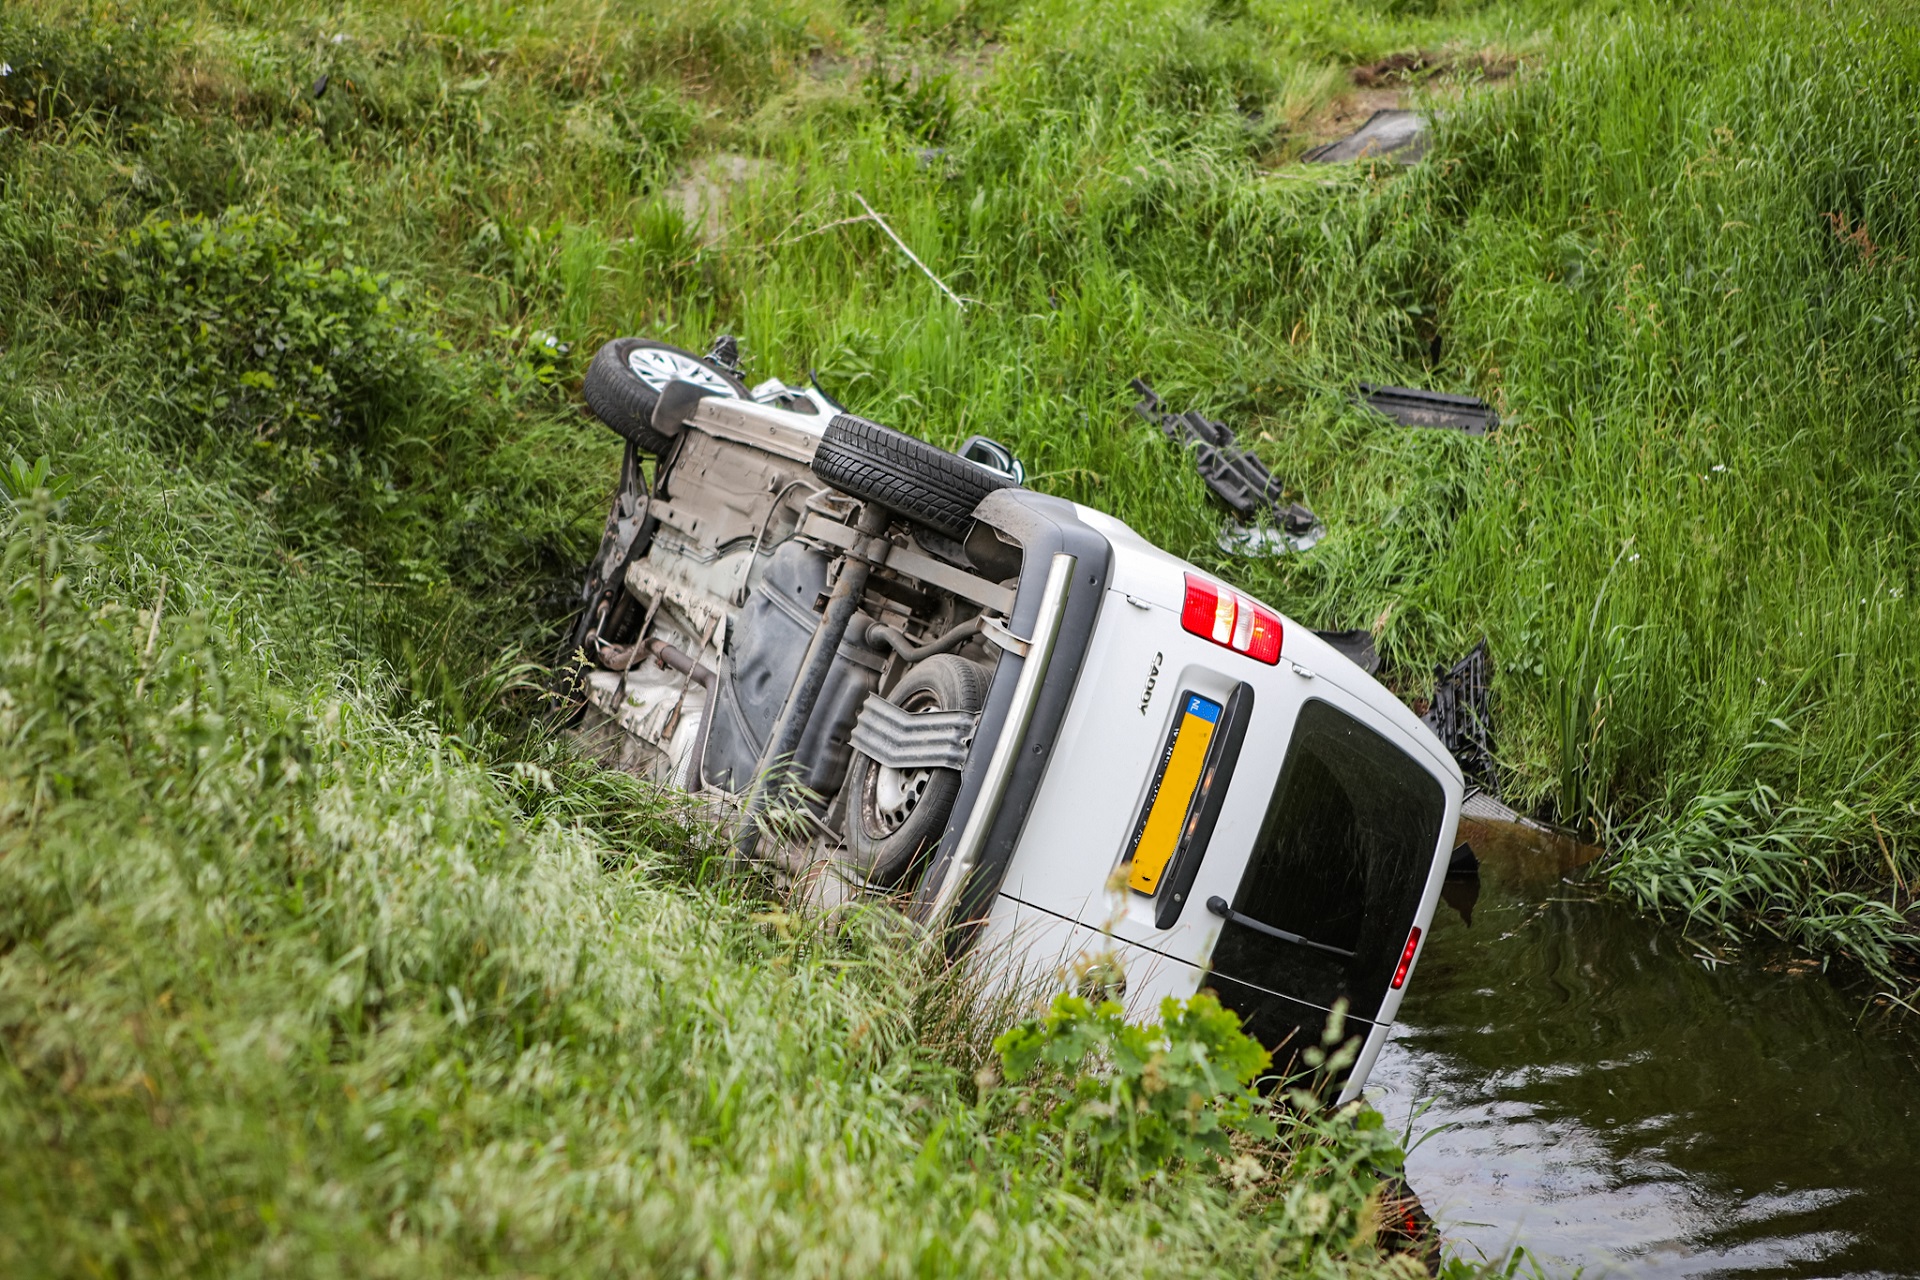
627	375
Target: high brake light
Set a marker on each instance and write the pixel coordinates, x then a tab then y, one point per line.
1406	959
1231	620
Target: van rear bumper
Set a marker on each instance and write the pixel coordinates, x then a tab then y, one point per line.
1042	527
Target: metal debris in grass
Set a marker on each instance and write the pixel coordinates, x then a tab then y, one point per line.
1393	134
1266	522
1412	407
1258	540
1461	716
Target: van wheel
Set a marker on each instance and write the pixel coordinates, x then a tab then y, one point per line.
895	815
906	476
624	382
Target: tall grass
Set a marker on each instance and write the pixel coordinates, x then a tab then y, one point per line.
290	986
315	952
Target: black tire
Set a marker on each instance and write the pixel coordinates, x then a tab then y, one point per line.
892	820
906	476
623	397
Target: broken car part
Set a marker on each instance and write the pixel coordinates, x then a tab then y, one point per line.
1461	716
1412	407
1235	476
1393	134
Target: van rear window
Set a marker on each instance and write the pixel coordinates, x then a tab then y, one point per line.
1342	857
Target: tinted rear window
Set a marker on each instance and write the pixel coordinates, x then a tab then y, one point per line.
1342	857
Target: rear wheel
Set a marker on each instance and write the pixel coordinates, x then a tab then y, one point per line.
895	815
624	381
906	476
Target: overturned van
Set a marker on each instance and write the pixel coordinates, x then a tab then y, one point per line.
1007	712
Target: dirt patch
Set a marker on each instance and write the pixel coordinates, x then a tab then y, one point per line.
701	194
1412	68
1348	112
1385	86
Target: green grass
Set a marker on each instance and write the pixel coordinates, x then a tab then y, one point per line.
317	955
294	986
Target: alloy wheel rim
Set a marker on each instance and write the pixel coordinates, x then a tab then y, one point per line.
657	367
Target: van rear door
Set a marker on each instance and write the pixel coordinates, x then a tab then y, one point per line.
1331	892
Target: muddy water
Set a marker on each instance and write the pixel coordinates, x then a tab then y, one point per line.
1622	1103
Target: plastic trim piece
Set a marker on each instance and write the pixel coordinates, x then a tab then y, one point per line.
1412	407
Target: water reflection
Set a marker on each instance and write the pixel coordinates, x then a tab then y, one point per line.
1623	1101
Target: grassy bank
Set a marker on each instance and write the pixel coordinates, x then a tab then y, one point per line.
311	954
293	986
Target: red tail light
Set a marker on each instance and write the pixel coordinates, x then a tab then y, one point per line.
1406	959
1231	620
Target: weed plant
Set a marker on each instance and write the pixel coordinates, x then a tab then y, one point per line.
314	957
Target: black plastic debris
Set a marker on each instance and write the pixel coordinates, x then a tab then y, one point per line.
1356	647
725	355
1235	476
1461	716
1401	136
1412	407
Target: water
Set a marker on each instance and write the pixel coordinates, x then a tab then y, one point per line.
1624	1102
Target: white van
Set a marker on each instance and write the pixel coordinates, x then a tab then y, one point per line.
1009	712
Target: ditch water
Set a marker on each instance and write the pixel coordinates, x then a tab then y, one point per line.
1622	1103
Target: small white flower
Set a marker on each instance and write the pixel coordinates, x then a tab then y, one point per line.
1633	557
1719	466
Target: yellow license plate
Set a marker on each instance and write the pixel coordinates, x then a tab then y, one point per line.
1158	834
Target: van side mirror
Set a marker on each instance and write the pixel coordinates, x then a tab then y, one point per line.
994	456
